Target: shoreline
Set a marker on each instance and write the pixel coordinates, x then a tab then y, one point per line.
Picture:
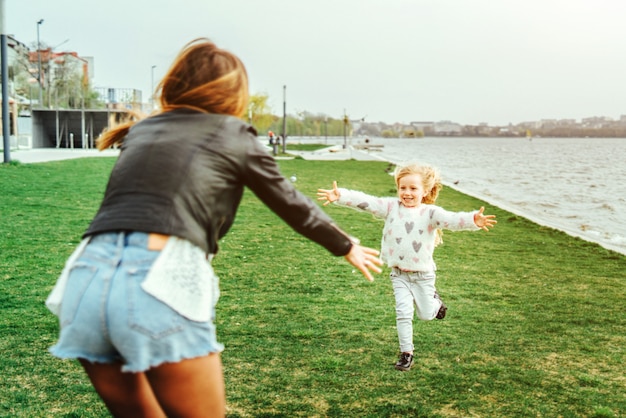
330	153
338	150
537	220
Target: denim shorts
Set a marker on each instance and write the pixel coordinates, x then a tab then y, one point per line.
106	316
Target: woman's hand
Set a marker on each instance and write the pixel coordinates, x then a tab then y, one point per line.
365	259
329	196
484	221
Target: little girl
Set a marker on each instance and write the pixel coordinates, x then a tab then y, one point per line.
412	229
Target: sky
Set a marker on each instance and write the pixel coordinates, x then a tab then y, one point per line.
465	61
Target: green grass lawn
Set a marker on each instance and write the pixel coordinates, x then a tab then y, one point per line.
535	326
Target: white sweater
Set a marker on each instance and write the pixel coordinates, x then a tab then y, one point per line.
409	233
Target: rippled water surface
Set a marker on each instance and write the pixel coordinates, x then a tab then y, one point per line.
577	185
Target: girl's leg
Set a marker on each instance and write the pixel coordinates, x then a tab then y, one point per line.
190	388
424	293
404	313
124	394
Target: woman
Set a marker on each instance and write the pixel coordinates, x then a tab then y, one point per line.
136	300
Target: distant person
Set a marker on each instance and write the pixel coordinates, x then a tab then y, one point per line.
136	300
271	135
411	231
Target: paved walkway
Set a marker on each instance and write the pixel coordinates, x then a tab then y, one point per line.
337	152
38	155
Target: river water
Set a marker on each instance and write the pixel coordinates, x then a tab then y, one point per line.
576	185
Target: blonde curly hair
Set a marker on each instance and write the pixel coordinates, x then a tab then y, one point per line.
431	180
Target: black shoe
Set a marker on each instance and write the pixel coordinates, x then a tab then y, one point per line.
442	311
405	362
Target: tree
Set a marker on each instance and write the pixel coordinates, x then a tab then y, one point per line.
66	87
259	113
23	78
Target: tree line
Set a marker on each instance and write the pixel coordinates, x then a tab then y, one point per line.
303	124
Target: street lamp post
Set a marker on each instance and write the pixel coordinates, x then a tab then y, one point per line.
39	76
345	129
284	119
326	128
152	88
6	130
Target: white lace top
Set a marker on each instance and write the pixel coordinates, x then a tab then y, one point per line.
180	277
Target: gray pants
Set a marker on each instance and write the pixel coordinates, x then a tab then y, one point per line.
413	290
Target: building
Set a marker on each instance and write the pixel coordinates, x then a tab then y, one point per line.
67	116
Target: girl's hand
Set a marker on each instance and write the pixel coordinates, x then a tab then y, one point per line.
365	259
328	196
484	221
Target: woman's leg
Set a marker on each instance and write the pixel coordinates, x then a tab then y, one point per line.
124	394
190	388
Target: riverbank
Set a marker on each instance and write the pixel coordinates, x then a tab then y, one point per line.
465	180
575	185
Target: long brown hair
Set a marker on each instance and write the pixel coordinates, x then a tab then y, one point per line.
203	77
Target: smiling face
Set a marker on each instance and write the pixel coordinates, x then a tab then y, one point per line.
411	190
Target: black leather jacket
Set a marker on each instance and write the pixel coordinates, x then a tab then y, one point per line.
182	173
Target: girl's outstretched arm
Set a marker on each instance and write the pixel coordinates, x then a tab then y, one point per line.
484	221
329	196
